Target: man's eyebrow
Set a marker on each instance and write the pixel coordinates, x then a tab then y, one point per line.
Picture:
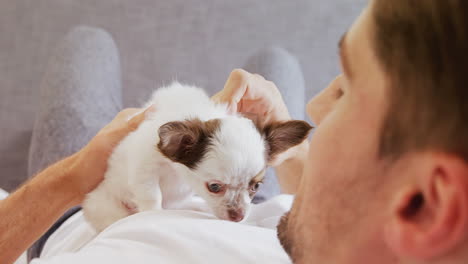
344	56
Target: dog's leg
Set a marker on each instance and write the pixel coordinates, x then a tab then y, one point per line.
148	198
102	208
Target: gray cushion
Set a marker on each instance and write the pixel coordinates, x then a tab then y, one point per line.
193	40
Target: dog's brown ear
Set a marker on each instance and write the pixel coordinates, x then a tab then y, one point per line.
186	141
281	136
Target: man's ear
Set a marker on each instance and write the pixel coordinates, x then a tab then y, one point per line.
186	141
429	218
280	136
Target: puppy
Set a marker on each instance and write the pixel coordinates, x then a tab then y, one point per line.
191	154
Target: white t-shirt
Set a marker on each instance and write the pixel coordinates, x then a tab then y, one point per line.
172	236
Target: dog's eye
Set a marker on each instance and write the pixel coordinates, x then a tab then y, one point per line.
255	187
215	187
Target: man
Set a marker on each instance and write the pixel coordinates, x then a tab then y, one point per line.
385	179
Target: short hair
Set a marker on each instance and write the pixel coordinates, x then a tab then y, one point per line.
423	48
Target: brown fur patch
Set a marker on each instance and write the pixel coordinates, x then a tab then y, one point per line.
186	141
280	136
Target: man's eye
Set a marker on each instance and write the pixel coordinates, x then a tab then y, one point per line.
215	187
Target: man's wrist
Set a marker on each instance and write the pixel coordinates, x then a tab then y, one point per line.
34	207
62	180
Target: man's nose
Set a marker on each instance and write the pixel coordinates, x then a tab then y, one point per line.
236	215
319	106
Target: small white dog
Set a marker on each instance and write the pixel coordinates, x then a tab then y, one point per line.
190	148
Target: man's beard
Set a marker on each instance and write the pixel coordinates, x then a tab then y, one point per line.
284	235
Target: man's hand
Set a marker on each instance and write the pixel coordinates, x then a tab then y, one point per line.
90	163
249	93
28	212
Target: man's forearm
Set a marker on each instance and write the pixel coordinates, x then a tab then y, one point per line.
28	212
289	172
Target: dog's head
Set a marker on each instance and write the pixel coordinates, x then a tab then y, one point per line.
228	157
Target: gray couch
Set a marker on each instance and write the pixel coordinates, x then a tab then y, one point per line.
195	41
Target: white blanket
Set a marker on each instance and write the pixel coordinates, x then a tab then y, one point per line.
171	236
3	194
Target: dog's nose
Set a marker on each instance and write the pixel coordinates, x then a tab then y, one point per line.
236	215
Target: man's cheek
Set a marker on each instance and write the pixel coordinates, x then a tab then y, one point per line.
325	155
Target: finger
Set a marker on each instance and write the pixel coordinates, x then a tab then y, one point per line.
127	113
150	110
260	77
261	87
135	121
125	127
233	90
218	97
236	85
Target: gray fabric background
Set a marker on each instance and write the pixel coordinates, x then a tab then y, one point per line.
196	41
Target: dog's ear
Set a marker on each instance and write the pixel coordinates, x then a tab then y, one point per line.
186	141
281	136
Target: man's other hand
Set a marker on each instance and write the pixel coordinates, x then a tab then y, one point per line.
90	163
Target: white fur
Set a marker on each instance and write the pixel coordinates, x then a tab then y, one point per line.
141	177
